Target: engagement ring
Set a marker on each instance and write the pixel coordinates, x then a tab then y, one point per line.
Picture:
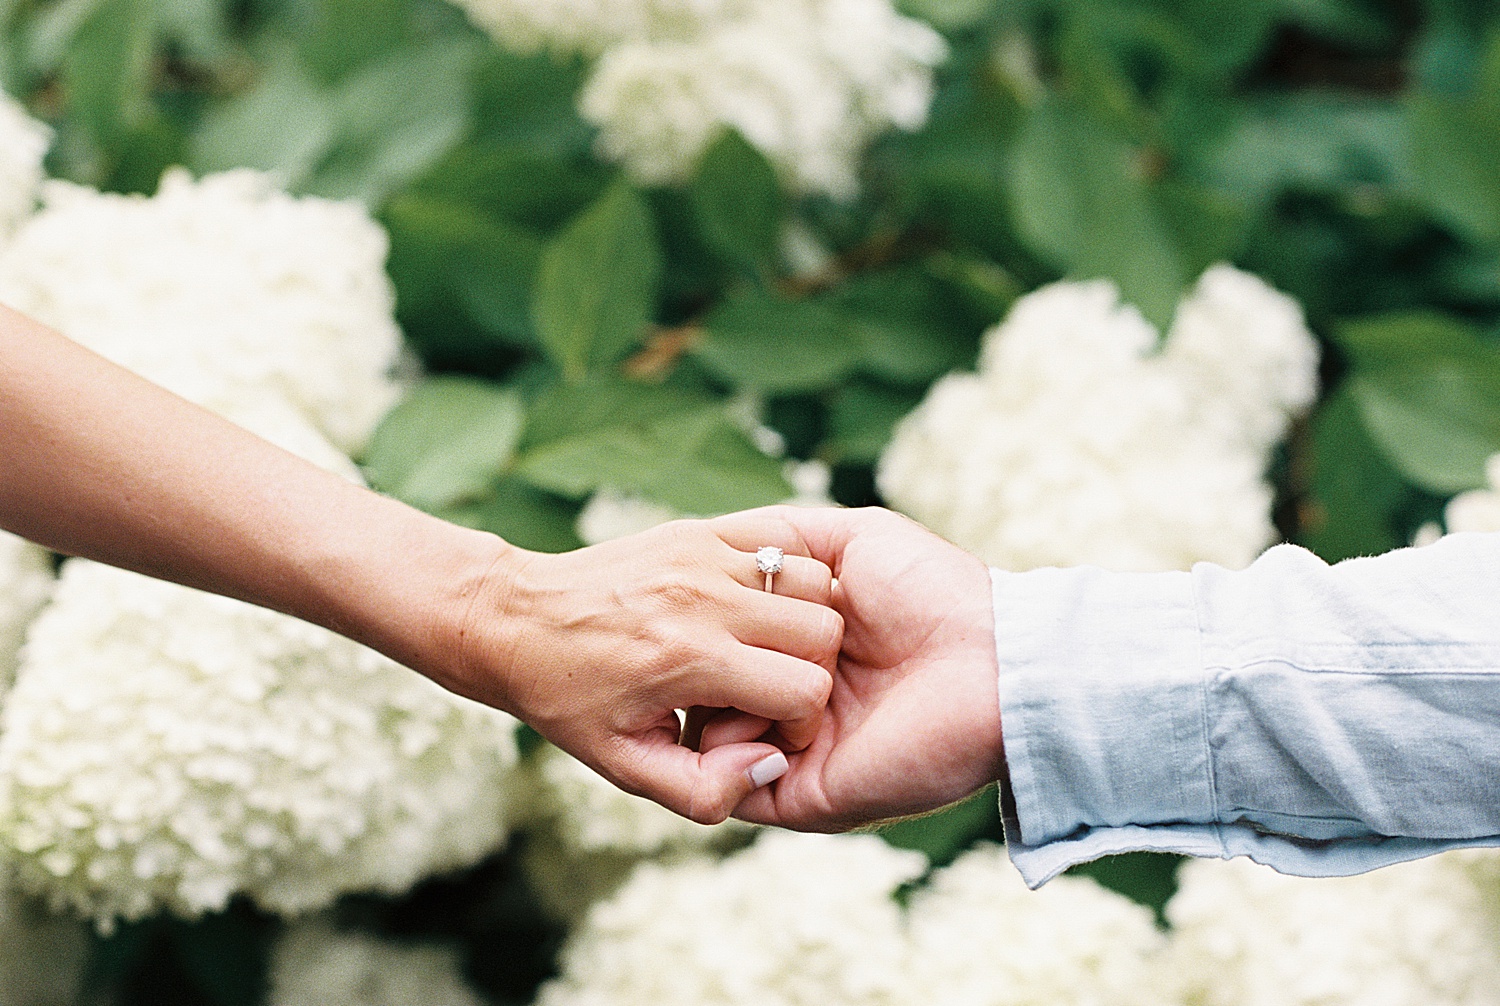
768	561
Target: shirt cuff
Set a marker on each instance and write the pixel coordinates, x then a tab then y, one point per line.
1102	709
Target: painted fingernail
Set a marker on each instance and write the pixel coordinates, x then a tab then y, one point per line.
768	769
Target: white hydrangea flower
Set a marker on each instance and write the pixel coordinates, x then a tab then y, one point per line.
979	937
1245	347
1079	442
42	956
797	920
23	144
808	82
246	293
1478	509
590	814
315	964
25	583
1420	932
592	26
166	749
1427	534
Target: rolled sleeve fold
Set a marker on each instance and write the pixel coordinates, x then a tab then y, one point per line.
1100	732
1323	720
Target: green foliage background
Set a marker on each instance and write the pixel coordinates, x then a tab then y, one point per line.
584	331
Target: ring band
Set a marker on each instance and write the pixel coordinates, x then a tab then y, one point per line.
769	560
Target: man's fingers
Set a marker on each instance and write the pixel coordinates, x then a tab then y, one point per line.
703	787
759	807
818	532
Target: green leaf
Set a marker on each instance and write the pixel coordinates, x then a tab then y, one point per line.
1455	152
737	202
1147	878
861	418
1310	142
393	120
523	515
1355	491
53	29
1428	389
698	462
1080	198
201	27
445	442
986	290
528	102
942	836
596	287
764	342
338	37
457	270
909	327
285	124
535	190
571	410
107	68
1207	226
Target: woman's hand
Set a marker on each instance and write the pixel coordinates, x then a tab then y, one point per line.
597	648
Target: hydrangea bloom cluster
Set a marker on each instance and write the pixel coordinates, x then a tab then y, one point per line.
1079	441
1421	932
588	835
23	144
589	814
593	26
799	920
808	82
314	964
165	749
979	936
42	957
248	294
25	582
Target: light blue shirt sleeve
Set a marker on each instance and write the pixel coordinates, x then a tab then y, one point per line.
1323	720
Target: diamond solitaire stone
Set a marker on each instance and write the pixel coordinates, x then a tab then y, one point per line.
768	559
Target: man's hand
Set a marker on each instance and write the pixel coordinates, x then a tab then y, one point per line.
913	721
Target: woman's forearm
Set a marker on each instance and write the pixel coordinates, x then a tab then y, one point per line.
596	648
103	464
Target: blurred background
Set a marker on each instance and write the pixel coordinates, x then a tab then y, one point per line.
654	258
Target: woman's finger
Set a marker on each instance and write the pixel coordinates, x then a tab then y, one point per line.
748	530
763	682
703	787
798	628
800	577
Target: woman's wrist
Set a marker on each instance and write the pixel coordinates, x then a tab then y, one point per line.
408	584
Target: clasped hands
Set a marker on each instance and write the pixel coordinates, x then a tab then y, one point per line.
862	688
